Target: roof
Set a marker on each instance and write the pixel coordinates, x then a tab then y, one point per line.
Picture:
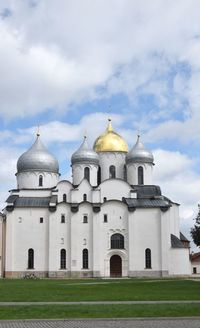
37	158
147	191
17	201
176	242
139	154
134	202
183	238
195	256
32	202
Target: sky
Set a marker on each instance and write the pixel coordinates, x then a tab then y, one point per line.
68	65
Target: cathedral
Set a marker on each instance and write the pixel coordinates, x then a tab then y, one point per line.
110	221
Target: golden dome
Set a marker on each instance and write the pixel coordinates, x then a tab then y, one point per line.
110	141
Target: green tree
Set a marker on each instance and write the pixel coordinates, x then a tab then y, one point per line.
195	231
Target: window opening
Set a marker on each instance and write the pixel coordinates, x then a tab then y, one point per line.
85	219
112	172
63	259
30	258
62	218
85	258
117	241
140	175
148	258
40	181
87	173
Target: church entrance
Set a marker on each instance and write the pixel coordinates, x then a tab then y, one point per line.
115	266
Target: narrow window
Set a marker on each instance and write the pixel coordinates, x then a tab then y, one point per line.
99	176
64	198
41	220
85	219
105	218
125	173
112	172
140	175
63	259
87	173
194	270
105	199
117	241
40	181
84	197
148	258
85	258
30	258
62	218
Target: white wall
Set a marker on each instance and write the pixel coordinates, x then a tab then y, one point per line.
144	232
64	187
28	180
132	173
106	159
179	261
117	215
78	173
59	237
114	189
25	231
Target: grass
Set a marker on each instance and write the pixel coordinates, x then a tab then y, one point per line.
98	311
98	290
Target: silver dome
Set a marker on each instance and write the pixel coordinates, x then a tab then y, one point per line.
139	154
84	154
37	158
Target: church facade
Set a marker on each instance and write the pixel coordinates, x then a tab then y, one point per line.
110	221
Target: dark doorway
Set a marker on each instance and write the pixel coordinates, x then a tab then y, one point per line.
115	266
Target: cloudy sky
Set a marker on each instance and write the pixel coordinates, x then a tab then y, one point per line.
67	65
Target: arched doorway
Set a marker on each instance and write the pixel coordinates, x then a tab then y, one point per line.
115	266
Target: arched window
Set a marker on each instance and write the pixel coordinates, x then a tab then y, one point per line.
30	258
85	258
64	198
63	259
87	173
62	218
84	197
112	172
125	173
148	258
117	241
140	175
40	181
99	176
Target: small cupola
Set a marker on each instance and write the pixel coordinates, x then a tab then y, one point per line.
37	158
85	155
139	154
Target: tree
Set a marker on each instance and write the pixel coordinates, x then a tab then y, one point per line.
195	232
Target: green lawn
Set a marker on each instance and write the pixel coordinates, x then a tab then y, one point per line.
98	311
99	290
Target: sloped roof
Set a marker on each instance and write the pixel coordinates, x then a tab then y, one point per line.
176	242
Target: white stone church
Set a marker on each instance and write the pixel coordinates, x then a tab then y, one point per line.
110	221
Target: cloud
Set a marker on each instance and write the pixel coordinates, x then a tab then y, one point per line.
133	49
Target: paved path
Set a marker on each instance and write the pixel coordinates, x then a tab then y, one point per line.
98	303
105	323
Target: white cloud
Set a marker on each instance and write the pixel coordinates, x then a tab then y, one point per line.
53	54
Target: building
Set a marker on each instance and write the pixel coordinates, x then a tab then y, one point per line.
195	261
111	220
